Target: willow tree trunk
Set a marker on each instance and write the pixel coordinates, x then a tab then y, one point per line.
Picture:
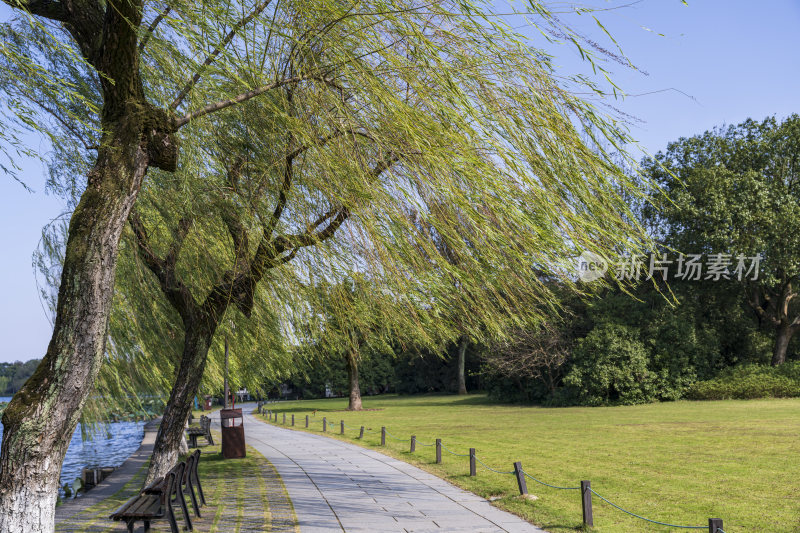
39	421
462	353
352	376
197	340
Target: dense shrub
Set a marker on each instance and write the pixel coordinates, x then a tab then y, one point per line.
609	366
516	389
750	381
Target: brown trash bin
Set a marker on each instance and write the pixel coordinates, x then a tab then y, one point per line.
207	403
233	446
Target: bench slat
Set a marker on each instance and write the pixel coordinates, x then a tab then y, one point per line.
144	506
139	507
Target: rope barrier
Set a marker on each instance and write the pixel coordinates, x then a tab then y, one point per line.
487	467
512	472
548	484
395	438
647	519
454	453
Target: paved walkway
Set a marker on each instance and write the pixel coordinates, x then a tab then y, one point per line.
336	486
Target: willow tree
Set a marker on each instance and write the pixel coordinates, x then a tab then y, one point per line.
133	127
395	105
410	113
357	316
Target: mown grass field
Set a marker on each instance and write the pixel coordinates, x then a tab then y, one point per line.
681	462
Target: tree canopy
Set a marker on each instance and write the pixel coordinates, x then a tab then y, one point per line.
736	191
287	141
503	167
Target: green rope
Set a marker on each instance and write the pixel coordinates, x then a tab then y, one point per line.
646	519
548	484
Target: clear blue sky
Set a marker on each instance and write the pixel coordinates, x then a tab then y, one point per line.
735	58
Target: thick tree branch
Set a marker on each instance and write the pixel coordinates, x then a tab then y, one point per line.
309	237
238	233
269	254
756	301
48	9
152	28
261	6
117	55
184	225
223	104
164	269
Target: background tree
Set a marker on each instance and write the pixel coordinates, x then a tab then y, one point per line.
534	354
736	191
441	244
353	322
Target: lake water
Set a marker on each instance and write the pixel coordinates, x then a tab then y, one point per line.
110	445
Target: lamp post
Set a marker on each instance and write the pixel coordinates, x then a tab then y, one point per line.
226	392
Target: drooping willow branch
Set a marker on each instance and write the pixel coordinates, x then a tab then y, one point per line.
218	50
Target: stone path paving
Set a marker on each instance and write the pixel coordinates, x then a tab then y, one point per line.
336	486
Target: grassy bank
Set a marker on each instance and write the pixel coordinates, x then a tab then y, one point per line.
681	462
240	493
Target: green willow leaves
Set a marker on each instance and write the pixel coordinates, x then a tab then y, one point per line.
354	138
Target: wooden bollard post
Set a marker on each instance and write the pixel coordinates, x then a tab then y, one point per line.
324	424
586	503
438	451
341	430
473	470
284	418
714	525
413	443
521	483
306	420
361	433
292	420
383	436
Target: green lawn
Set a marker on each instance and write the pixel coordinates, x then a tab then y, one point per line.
681	462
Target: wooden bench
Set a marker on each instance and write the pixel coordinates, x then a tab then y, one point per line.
147	507
204	430
191	479
157	500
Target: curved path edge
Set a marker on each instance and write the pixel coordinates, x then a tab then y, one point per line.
116	480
